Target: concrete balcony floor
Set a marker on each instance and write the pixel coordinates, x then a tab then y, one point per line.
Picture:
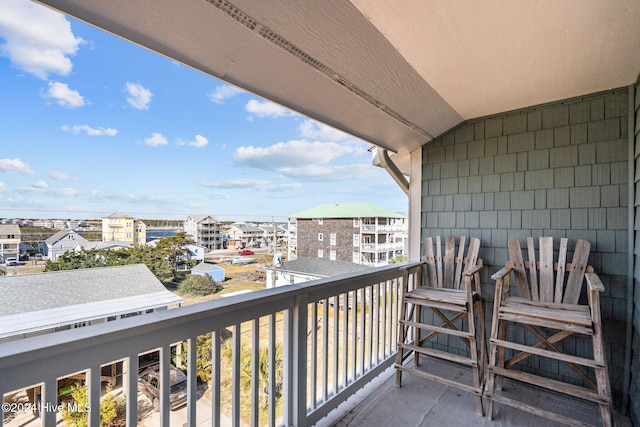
420	402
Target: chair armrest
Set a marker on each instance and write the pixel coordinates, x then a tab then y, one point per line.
594	282
498	275
473	270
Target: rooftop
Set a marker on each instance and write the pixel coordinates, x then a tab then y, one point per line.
347	210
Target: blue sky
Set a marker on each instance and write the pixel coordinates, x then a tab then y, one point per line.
92	124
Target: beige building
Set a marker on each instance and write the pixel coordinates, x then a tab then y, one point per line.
9	241
119	227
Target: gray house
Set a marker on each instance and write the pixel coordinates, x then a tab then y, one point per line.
511	119
36	304
63	241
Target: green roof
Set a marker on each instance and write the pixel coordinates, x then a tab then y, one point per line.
347	210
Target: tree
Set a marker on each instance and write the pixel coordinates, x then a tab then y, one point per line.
197	285
112	409
174	248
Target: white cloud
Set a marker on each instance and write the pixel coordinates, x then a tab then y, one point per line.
59	176
221	93
290	154
64	96
155	140
199	141
256	184
40	184
311	129
139	96
330	172
38	40
91	131
15	166
220	195
267	109
3	187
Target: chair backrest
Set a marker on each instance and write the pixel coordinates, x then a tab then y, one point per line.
548	281
446	271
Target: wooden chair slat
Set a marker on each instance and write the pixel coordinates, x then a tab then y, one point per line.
448	306
550	315
533	269
562	260
459	263
449	262
439	261
546	269
430	261
576	274
522	284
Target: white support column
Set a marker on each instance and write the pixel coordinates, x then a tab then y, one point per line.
415	205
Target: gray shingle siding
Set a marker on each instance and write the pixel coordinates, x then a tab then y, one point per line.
555	170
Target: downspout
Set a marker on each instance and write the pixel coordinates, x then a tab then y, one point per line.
392	169
626	379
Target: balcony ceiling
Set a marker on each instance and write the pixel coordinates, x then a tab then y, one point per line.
394	72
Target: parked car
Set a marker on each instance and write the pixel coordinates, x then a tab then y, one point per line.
245	252
11	261
149	384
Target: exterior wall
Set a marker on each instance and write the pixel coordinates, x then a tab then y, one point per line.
205	233
634	389
124	229
10	237
557	170
309	243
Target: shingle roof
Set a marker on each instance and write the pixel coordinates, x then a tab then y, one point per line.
34	302
348	210
63	234
10	229
199	218
322	267
204	267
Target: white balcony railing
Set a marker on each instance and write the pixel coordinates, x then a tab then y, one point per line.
382	247
336	335
373	228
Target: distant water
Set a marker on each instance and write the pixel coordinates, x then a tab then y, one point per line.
156	233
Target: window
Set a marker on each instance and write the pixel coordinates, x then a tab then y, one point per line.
332	255
319	221
320	253
356	258
356	240
356	222
320	237
332	239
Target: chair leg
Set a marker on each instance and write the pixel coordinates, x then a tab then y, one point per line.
602	377
417	309
402	336
473	350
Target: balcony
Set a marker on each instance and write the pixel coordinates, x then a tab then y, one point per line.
373	228
381	247
324	341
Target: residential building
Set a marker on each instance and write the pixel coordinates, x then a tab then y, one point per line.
303	270
36	304
63	241
510	120
361	233
205	231
246	235
10	237
119	227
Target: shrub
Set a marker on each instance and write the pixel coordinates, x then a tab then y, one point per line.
197	285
